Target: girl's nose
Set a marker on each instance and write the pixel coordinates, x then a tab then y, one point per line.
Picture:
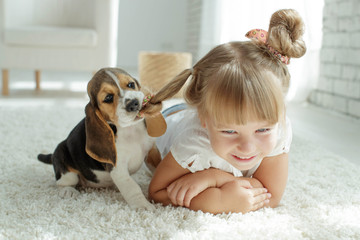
246	146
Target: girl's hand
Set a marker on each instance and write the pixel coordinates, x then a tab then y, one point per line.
184	189
249	198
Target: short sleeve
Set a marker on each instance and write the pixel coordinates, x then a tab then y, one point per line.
189	148
284	139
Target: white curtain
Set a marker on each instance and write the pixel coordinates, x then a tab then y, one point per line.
229	20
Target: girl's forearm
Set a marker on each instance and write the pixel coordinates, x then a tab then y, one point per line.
221	177
218	200
215	176
209	201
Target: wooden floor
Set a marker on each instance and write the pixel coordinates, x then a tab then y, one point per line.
335	132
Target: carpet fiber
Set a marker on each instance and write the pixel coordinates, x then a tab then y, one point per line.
322	199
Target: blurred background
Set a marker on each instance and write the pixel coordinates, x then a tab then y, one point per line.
197	26
49	49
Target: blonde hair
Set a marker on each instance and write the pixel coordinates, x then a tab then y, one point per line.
239	81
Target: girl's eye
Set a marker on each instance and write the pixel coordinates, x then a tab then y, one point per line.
263	130
109	98
131	85
228	131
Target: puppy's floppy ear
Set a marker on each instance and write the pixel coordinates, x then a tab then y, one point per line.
137	83
100	139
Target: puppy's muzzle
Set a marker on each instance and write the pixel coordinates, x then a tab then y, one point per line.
132	105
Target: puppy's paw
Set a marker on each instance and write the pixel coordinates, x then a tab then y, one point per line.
68	192
143	205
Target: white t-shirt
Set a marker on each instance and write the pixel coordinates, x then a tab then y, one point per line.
189	143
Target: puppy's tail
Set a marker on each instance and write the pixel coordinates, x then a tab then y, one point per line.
45	158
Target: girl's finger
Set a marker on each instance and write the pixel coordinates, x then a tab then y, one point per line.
189	196
172	193
261	197
180	196
170	188
260	204
258	191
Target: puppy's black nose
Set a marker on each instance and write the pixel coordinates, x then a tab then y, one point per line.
132	105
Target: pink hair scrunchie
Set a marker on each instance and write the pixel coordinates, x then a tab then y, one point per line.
261	35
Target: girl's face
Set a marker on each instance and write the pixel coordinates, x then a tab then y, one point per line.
243	146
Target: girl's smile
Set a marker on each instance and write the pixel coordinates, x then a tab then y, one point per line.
243	158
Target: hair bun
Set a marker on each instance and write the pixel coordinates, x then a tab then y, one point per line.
285	33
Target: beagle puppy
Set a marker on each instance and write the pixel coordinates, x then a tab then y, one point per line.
111	142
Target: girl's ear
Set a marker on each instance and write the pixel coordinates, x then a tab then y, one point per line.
100	138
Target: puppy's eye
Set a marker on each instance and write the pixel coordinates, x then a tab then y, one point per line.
131	85
109	98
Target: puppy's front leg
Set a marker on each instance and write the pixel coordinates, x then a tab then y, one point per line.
129	189
67	183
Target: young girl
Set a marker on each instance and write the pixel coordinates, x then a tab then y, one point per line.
227	150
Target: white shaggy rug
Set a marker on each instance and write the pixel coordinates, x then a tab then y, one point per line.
322	199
